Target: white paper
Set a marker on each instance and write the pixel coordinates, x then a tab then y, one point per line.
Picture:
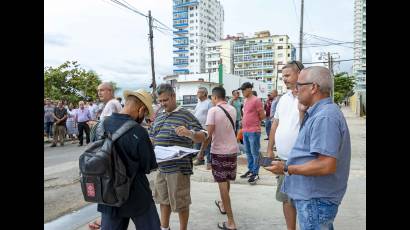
172	152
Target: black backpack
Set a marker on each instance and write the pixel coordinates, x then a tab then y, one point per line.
103	175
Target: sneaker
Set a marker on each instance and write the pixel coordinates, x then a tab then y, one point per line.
62	144
253	179
247	174
53	145
199	162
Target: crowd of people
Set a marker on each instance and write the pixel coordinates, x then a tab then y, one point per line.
68	121
308	144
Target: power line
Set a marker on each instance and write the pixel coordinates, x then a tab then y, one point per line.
129	7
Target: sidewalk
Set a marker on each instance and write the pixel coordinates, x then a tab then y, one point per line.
254	206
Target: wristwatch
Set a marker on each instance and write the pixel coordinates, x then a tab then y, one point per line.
285	170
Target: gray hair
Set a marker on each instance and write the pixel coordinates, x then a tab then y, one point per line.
295	65
204	89
165	88
321	76
107	85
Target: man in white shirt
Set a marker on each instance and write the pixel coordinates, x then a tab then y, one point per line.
284	131
201	112
111	105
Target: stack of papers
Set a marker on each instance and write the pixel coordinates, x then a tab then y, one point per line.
172	152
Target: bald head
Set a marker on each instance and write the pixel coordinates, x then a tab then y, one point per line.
105	91
321	76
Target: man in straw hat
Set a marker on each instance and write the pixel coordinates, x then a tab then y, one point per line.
135	149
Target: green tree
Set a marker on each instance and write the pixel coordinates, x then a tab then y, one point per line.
70	82
344	85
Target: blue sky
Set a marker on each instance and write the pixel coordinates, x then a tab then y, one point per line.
113	41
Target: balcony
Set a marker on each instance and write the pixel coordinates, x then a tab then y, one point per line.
181	51
181	64
180	44
182	25
180	32
190	3
181	71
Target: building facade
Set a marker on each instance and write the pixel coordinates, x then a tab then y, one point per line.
262	58
186	86
195	23
219	51
359	65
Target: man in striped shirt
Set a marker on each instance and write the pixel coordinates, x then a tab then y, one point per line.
174	126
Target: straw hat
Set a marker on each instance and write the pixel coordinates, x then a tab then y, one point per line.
144	96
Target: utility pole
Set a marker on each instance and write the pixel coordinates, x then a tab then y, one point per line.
301	32
151	46
330	65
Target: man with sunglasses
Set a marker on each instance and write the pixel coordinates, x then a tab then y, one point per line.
318	166
284	131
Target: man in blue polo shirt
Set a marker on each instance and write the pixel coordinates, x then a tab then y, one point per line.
318	166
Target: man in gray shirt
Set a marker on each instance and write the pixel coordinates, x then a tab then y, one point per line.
201	112
318	166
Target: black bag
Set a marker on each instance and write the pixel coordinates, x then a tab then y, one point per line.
103	175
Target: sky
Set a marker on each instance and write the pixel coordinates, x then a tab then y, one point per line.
113	41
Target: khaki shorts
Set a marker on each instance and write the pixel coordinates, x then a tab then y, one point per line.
173	189
280	196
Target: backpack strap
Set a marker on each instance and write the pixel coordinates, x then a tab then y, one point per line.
123	129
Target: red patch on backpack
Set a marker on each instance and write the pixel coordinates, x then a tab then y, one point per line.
90	189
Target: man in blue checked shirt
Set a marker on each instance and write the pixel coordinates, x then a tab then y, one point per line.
318	166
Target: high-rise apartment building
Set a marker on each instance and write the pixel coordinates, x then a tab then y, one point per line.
195	23
262	58
359	65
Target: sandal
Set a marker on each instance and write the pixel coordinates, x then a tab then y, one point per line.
219	207
94	225
224	227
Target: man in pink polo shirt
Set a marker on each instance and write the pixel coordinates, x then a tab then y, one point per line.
253	114
220	123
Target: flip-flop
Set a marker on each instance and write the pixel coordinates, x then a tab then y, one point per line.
219	207
94	223
224	227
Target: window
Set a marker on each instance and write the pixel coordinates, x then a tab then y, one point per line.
280	47
288	55
191	21
190	99
192	60
191	48
191	15
280	55
281	39
191	54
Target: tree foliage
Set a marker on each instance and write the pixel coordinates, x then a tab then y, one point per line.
344	85
70	82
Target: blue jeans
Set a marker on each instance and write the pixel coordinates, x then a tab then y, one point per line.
236	126
252	145
316	214
268	124
48	128
207	151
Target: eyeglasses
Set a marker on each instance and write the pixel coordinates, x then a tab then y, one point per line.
298	84
297	64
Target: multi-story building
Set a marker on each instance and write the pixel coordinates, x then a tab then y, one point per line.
262	57
219	51
359	65
196	22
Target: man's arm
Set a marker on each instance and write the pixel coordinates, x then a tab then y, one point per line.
261	114
322	166
211	129
271	142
